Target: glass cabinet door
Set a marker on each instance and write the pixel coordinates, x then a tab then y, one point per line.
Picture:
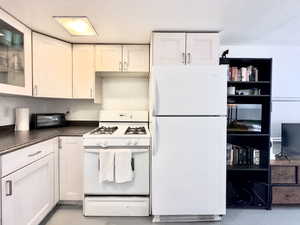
11	55
15	57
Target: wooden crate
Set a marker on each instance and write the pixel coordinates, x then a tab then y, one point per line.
284	175
285	195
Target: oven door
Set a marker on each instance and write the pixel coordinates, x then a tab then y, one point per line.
138	186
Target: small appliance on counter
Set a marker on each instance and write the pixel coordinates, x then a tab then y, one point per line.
44	120
22	119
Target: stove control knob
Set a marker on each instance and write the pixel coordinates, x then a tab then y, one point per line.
104	144
129	143
135	142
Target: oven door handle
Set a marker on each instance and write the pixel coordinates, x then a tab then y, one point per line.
136	150
132	164
98	159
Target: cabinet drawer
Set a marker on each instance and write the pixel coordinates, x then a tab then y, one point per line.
22	157
116	206
283	174
286	195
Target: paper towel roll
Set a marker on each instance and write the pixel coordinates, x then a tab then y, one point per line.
22	119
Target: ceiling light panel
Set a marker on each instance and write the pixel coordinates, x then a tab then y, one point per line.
76	26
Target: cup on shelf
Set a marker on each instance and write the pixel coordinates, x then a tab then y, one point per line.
231	90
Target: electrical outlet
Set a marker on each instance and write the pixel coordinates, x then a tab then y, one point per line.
6	112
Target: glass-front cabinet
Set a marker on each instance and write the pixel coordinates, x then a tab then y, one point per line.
15	57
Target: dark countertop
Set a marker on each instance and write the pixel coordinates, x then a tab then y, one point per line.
11	140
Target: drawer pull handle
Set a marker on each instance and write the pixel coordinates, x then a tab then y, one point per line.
8	188
34	154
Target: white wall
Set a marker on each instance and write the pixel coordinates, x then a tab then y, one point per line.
285	80
9	103
125	93
286	69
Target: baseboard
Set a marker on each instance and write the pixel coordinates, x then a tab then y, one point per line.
186	218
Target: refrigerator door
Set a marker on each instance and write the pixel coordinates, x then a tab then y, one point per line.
189	166
189	90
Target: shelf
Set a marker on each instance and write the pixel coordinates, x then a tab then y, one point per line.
246	207
253	168
243	178
248	82
248	134
248	96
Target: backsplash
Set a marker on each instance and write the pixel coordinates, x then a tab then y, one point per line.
117	94
9	103
79	109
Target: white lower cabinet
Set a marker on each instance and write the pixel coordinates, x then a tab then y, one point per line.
71	153
35	178
27	194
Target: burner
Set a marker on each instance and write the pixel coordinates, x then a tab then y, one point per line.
105	130
135	130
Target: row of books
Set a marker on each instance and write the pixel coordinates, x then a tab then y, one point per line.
249	73
242	156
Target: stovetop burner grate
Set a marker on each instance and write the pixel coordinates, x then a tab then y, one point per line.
105	130
135	130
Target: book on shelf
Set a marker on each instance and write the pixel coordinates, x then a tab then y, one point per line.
242	156
245	74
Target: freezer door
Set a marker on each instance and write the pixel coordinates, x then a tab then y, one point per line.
189	166
189	90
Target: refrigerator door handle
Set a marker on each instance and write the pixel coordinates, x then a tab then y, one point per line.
155	138
155	97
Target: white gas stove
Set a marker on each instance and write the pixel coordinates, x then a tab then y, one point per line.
119	128
118	131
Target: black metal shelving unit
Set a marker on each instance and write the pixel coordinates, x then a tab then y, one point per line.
249	186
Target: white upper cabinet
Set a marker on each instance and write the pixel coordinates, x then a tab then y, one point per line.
202	49
168	49
136	58
194	49
122	58
52	67
83	71
15	57
109	58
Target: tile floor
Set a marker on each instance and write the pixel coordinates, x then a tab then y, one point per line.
72	215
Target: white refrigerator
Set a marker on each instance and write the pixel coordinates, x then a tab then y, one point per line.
188	124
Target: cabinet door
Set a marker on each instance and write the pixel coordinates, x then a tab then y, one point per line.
109	58
83	71
136	58
71	170
202	49
56	170
15	57
168	49
27	194
52	67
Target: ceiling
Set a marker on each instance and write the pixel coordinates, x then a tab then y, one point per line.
131	21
